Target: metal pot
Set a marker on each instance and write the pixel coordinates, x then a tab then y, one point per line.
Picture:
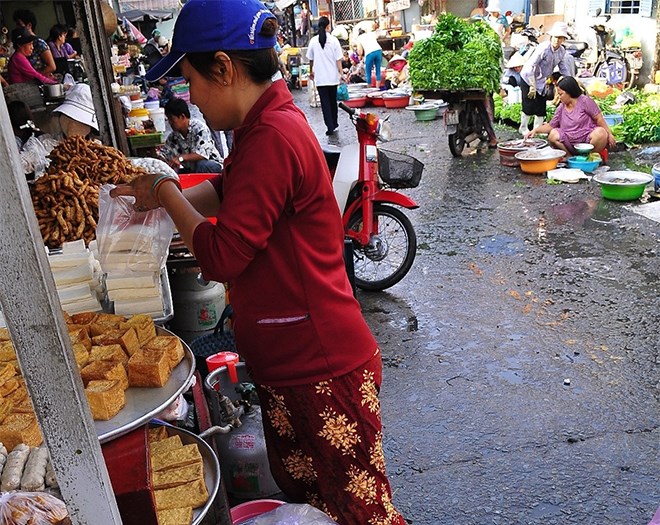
54	90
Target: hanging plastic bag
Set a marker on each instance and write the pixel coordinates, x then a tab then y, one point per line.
342	92
35	508
292	514
129	240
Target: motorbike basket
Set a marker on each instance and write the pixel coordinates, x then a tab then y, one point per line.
399	170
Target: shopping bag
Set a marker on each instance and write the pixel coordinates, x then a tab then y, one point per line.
314	100
342	92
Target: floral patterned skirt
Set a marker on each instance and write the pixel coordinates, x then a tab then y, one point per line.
325	446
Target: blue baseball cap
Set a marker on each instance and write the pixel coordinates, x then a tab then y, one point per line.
215	25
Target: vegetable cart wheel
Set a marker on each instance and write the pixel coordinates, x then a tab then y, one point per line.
457	140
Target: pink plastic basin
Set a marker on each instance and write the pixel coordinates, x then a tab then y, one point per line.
250	509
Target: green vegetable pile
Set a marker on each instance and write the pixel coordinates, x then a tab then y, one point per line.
459	55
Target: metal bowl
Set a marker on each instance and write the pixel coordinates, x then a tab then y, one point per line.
583	148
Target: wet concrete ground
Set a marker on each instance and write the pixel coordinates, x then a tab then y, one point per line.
518	288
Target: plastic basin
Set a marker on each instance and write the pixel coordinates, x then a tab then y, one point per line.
356	102
188	180
250	509
622	185
376	98
399	101
537	162
585	165
613	120
424	112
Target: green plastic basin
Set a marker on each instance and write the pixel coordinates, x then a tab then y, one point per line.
622	185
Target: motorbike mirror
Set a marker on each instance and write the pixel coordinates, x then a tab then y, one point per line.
598	11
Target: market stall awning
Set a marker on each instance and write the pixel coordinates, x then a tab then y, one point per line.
283	4
145	15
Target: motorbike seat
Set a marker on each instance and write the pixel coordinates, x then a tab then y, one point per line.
331	154
575	45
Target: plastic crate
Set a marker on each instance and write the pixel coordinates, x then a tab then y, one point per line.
145	140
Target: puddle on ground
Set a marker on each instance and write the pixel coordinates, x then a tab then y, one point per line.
502	245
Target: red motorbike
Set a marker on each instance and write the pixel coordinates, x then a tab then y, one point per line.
365	180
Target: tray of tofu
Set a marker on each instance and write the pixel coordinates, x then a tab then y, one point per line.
143	403
185	474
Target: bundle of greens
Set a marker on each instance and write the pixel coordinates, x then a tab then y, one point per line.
459	55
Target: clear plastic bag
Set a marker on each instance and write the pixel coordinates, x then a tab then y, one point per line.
32	508
129	241
292	514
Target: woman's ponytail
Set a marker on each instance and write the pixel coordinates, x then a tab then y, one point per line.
324	22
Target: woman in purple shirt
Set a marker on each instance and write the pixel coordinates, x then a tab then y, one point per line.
577	119
58	44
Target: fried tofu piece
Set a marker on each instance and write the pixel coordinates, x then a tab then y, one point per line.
149	367
128	339
8	386
188	495
186	455
7	371
104	323
4	334
20	428
157	434
171	344
165	445
106	399
18	395
5	408
81	354
84	318
7	352
180	516
23	406
144	327
166	479
80	335
105	371
113	352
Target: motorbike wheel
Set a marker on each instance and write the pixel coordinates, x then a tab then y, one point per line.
380	269
457	140
616	64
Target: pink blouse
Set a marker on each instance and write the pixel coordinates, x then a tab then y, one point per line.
20	70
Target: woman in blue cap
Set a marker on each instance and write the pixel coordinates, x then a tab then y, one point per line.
278	241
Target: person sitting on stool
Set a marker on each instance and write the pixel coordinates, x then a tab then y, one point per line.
190	147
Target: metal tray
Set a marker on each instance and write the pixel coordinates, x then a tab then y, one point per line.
211	466
142	404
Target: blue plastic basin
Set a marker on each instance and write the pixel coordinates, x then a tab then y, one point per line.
585	165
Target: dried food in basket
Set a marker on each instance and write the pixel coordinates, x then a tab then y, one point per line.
399	170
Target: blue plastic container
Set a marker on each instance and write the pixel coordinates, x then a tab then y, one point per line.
655	171
612	120
583	164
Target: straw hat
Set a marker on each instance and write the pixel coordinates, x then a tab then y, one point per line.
396	58
516	60
559	29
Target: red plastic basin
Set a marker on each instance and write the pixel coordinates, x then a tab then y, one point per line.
188	180
250	509
396	102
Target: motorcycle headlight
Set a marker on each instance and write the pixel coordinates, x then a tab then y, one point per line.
384	131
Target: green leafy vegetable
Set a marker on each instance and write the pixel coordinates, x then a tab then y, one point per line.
459	55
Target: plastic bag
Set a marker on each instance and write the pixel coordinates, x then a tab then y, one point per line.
292	514
128	240
32	508
342	92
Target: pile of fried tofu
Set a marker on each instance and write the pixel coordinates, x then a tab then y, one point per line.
177	476
113	353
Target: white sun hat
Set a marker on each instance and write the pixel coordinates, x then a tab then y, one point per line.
516	60
559	29
494	7
79	106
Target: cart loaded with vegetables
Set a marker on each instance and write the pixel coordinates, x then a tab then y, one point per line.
461	63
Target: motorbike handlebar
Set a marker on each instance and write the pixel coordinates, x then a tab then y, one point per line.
347	109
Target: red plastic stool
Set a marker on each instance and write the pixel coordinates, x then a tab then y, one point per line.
603	155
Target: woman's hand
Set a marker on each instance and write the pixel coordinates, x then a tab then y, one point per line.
611	141
141	189
530	134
